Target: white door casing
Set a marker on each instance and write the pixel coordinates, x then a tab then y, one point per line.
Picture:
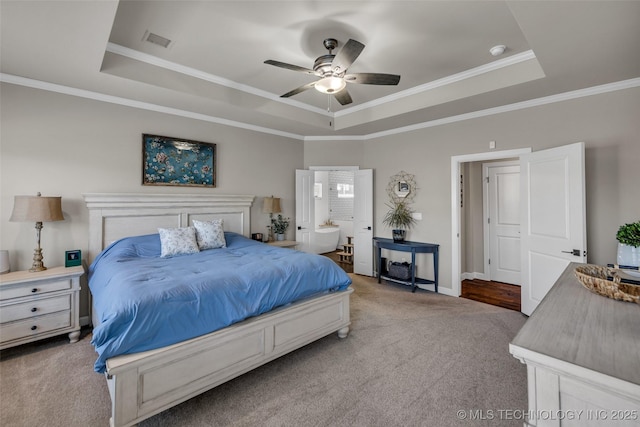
502	222
553	218
305	209
456	209
363	222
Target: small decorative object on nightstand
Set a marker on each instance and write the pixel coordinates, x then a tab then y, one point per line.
73	258
279	226
39	305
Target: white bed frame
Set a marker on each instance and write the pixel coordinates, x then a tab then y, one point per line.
144	384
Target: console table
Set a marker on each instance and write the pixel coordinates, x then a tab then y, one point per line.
408	246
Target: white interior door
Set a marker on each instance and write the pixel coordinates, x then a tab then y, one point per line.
553	230
503	223
363	222
305	209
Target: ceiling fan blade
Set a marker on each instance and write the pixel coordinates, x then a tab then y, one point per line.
349	52
343	97
289	66
298	90
373	78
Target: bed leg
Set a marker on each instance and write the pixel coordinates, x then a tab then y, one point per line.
342	333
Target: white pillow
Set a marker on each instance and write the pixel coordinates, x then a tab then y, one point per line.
177	241
210	234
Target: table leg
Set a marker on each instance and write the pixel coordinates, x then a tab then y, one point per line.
435	269
413	270
379	255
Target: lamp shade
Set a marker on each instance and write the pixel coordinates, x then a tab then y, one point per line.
36	209
271	205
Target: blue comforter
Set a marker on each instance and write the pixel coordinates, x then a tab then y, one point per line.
144	302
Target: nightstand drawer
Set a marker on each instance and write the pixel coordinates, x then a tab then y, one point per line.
35	288
36	325
37	307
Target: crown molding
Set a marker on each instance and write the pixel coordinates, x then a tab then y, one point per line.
454	78
192	72
566	96
81	93
551	99
198	74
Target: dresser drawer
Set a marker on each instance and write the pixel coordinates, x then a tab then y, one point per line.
35	326
34	288
37	307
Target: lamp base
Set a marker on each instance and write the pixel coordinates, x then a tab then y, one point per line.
38	265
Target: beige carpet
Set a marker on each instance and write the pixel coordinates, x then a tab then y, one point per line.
410	360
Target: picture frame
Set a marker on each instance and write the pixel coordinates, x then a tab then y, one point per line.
178	162
73	258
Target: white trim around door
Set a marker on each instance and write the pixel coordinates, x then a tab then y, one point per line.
456	161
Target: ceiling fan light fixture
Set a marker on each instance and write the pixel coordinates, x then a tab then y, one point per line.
330	84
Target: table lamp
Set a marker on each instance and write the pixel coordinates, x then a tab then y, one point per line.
271	205
37	209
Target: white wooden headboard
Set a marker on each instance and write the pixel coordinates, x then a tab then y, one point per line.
113	216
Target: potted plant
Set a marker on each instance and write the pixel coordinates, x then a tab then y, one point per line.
399	218
280	225
628	237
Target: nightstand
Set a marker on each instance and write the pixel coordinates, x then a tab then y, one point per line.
39	305
284	243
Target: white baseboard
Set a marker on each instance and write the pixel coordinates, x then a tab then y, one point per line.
85	321
447	291
474	275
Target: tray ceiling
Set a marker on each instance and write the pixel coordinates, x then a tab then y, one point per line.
213	66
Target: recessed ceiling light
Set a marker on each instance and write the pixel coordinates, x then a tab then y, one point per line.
497	50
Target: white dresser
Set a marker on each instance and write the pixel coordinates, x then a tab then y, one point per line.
582	352
39	305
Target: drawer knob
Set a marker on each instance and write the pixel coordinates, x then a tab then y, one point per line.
34	309
34	290
34	327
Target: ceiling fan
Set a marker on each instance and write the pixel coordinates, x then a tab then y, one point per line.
333	72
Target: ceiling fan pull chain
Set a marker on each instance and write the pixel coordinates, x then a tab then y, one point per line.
329	103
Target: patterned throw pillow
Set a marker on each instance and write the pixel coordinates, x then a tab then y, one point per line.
210	234
177	241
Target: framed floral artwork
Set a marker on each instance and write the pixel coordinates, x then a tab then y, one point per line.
175	161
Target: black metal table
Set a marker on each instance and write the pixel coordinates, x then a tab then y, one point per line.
407	246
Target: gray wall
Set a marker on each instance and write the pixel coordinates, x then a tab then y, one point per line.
607	123
66	146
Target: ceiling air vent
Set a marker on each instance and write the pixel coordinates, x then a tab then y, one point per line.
156	39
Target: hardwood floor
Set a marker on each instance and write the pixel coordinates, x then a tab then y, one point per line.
494	293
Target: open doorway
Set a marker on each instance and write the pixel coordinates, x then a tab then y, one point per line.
457	205
349	186
550	238
490	237
490	232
